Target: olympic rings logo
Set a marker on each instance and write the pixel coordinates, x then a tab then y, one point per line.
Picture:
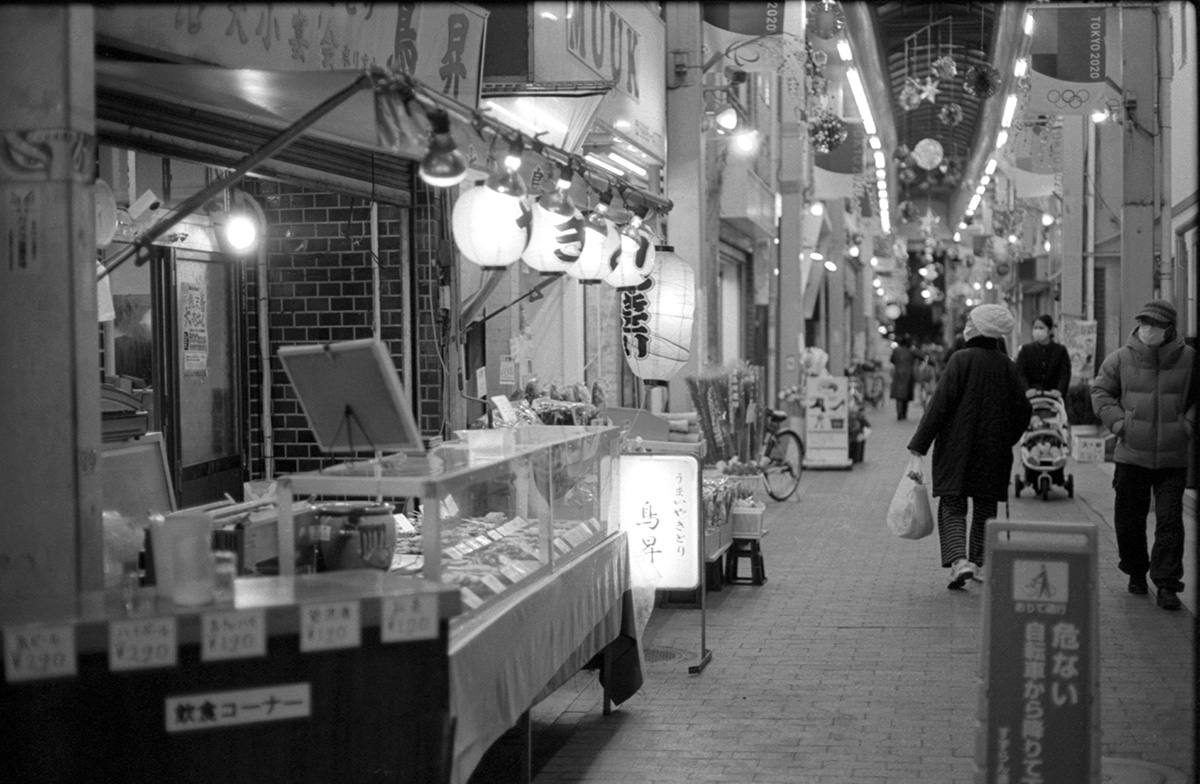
1064	98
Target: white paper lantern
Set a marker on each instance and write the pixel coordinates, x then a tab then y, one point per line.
656	319
491	227
556	240
601	244
636	258
928	153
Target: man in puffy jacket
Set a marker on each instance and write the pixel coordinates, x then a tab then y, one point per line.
1143	395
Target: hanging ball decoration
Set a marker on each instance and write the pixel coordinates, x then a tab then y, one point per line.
910	94
928	153
819	57
491	228
826	130
826	20
656	319
901	152
944	68
951	114
982	80
906	211
906	175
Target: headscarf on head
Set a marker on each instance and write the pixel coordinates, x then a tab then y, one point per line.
990	321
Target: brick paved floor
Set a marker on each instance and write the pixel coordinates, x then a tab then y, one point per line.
854	664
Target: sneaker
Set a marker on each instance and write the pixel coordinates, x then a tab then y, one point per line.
1137	584
976	572
1169	600
960	572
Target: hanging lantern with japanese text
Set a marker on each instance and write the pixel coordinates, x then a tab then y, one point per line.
656	319
636	258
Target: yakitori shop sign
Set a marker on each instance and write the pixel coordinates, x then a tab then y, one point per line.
441	44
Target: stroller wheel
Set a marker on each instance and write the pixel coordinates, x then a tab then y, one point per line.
1045	488
1070	485
1018	485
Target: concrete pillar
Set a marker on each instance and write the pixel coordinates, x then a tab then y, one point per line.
1138	37
687	180
50	536
790	286
835	290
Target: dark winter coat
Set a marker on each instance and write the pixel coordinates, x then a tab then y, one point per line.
1144	396
903	360
1045	367
978	411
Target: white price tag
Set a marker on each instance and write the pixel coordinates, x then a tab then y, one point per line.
470	598
449	507
34	652
142	644
493	582
233	635
504	408
408	618
329	626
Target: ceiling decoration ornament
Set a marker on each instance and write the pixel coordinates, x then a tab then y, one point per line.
929	89
826	20
982	80
928	153
901	152
929	221
951	114
826	130
944	67
906	211
910	94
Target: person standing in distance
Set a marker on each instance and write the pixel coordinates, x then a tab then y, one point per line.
977	412
904	361
1042	363
1143	395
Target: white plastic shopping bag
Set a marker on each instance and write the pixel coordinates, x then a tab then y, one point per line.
910	515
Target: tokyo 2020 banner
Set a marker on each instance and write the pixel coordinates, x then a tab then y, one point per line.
1075	60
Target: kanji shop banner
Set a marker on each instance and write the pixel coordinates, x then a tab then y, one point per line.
1074	59
755	36
441	44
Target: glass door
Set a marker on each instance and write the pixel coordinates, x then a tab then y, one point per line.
202	388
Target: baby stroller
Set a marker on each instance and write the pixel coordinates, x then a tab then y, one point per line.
1045	446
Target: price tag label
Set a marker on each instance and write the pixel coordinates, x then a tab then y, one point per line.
493	582
449	507
470	598
34	652
409	618
329	625
142	644
238	634
504	408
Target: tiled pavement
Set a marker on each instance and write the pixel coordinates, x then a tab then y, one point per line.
854	664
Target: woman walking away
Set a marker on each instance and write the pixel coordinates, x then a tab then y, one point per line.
903	361
1043	364
978	411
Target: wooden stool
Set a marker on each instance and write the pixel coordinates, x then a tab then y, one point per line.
748	547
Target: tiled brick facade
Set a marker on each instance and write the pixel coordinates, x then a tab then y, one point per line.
319	273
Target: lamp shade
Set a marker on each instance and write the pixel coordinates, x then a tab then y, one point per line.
656	319
635	259
491	228
557	236
601	244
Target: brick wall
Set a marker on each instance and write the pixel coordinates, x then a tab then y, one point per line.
319	272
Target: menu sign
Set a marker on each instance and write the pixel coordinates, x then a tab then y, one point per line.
1041	658
659	511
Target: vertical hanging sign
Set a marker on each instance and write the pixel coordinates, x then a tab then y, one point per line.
659	511
1040	708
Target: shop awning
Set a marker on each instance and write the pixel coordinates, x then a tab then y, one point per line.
217	115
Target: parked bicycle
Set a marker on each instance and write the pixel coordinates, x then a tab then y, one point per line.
782	457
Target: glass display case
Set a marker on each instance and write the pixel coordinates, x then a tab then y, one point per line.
497	508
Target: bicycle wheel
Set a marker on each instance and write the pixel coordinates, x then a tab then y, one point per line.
785	462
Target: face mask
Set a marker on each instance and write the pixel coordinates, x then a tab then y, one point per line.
1041	334
1151	336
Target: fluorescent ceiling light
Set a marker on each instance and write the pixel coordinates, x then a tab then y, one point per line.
991	166
628	164
829	265
982	189
875	143
973	204
815	256
1010	108
843	50
817	208
1028	23
550	16
1001	139
1021	66
880	160
860	97
984	180
603	164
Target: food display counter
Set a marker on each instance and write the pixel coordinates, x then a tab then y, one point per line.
522	522
269	687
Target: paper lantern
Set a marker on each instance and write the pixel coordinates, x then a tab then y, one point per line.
557	237
601	244
636	258
656	319
491	226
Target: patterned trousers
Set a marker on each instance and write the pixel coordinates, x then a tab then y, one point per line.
952	528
